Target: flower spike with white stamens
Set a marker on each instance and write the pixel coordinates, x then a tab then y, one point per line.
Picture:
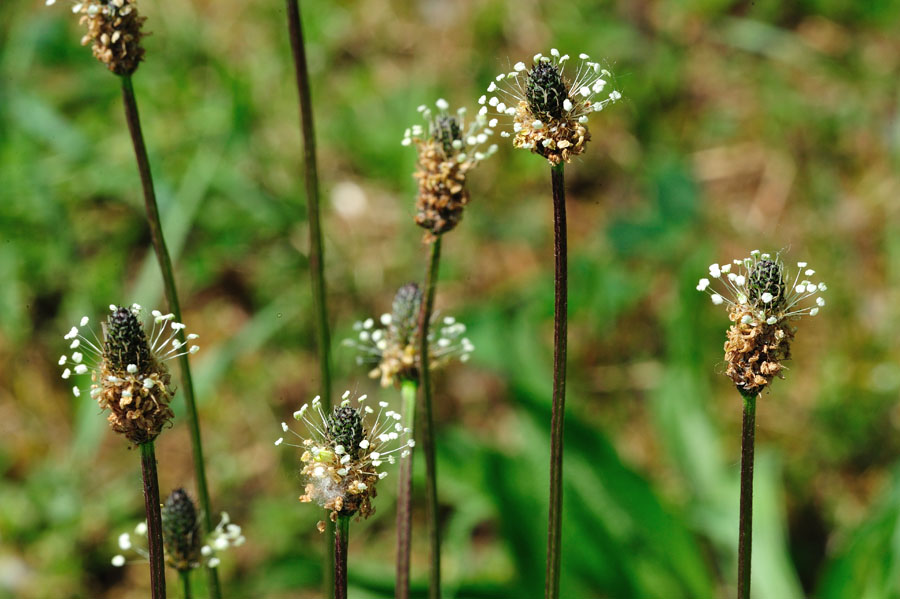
127	368
343	452
763	298
449	146
391	345
550	110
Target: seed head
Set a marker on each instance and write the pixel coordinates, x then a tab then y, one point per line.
761	306
449	147
549	111
181	531
343	452
128	372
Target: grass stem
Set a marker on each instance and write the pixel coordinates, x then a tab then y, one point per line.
165	266
745	525
341	535
154	521
186	583
408	391
427	424
560	317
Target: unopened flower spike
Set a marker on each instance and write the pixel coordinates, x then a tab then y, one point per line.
114	32
390	345
127	368
763	297
183	541
449	146
549	109
344	451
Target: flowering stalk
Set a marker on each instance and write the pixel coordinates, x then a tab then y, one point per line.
341	536
557	418
185	576
316	266
745	526
165	265
431	501
762	303
408	391
154	521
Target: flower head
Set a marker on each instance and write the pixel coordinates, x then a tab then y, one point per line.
449	146
184	546
114	32
344	451
391	345
762	300
127	368
549	110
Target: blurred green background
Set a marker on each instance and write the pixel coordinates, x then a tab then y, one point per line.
766	124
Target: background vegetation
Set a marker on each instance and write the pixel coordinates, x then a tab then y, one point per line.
746	124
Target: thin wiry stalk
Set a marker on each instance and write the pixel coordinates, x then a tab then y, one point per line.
560	316
186	583
341	536
408	390
154	522
316	258
745	523
427	424
165	266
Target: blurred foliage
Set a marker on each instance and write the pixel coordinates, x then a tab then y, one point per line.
746	124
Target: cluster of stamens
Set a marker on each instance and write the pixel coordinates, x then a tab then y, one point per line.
549	111
343	453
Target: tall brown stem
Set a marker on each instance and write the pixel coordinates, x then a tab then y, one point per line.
745	525
408	391
554	528
341	536
154	522
165	266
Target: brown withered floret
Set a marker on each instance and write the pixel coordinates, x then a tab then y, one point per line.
442	192
557	141
138	410
114	32
754	352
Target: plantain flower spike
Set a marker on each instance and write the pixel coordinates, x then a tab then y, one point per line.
549	110
344	451
763	300
128	375
391	347
114	32
449	147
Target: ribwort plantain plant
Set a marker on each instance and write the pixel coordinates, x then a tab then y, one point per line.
391	349
342	454
762	302
114	30
129	377
550	114
449	145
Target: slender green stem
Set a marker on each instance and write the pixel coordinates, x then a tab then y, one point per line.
745	527
185	583
427	424
408	390
165	266
316	259
154	521
341	535
560	317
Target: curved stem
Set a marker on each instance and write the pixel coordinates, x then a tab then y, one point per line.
165	266
408	391
745	527
316	265
554	529
185	583
341	535
427	424
154	521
